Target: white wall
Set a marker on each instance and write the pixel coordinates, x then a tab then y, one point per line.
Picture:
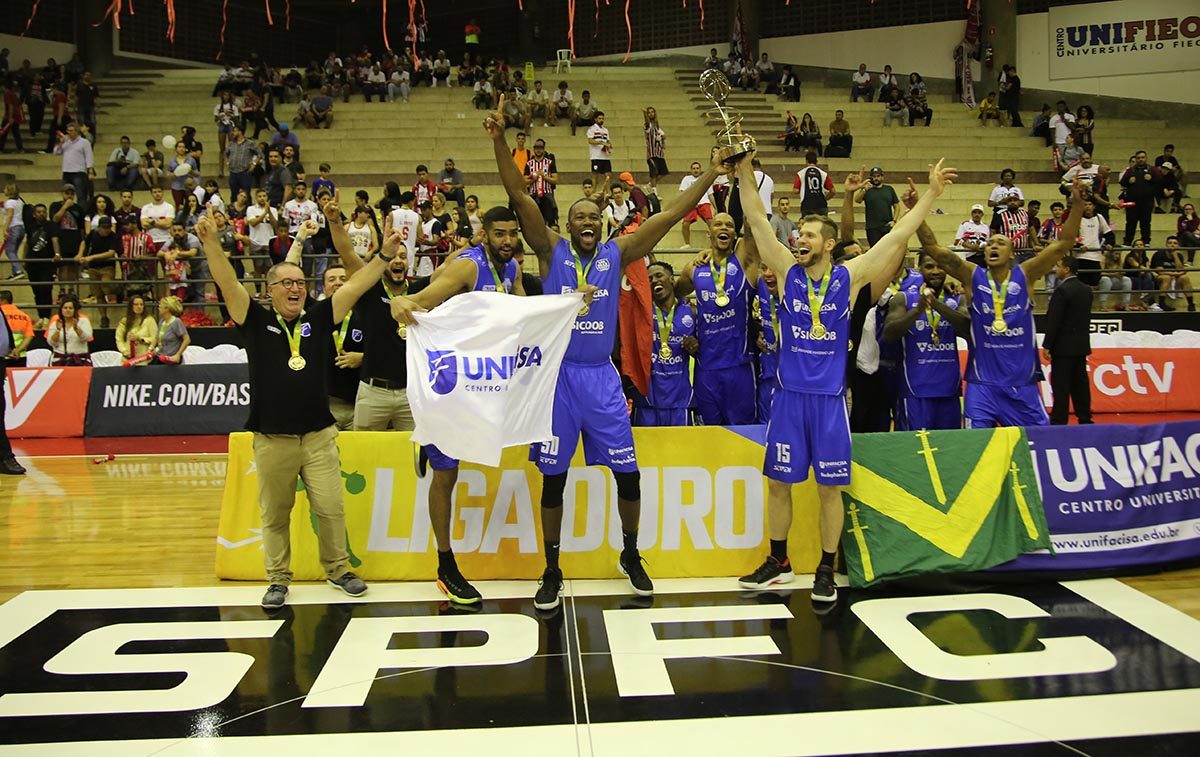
1033	64
36	50
700	51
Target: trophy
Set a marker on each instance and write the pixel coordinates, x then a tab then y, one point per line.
731	143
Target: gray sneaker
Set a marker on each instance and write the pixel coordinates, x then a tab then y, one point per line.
349	583
275	597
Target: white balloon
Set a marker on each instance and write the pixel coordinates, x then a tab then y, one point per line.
168	142
183	169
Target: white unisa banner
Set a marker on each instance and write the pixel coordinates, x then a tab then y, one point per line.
482	369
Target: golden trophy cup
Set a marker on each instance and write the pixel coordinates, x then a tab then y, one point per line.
732	144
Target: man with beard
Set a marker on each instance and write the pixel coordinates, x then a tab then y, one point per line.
1003	370
810	424
926	321
382	397
488	267
723	277
588	398
767	298
670	400
294	434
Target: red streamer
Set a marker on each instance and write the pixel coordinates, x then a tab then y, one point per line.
270	21
387	45
287	10
114	10
224	20
701	4
628	34
571	26
170	19
412	30
32	12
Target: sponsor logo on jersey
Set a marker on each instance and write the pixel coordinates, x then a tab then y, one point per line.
602	264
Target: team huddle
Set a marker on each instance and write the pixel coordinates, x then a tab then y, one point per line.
804	299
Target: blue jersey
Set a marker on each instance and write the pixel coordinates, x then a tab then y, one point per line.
889	352
1008	358
670	378
810	364
724	332
768	361
595	333
485	281
930	367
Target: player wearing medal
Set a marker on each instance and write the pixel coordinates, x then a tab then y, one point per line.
670	400
809	424
926	321
767	300
588	397
1002	365
288	350
488	267
723	278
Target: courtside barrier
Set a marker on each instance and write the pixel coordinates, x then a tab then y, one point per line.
203	398
45	402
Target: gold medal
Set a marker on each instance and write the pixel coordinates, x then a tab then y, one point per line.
722	300
584	310
296	363
999	326
402	331
936	339
818	331
664	352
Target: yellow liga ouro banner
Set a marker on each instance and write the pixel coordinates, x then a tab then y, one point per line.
703	512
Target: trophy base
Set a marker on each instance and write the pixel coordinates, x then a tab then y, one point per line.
733	152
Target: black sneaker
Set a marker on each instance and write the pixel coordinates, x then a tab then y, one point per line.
824	589
349	583
275	597
771	572
456	588
549	593
631	567
10	467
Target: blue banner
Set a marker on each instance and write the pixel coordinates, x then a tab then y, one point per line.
1117	495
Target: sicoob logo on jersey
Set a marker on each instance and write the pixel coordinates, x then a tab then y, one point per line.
443	371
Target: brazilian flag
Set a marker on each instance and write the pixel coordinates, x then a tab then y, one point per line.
940	501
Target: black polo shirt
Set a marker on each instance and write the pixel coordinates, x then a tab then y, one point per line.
383	349
283	401
343	382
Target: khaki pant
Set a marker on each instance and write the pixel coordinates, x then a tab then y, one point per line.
314	458
101	289
375	407
343	413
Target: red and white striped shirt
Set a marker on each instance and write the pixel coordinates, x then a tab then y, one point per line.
655	140
546	165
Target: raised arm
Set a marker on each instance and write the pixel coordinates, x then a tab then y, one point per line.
454	277
296	251
533	227
773	253
358	284
1042	263
854	183
653	229
341	238
237	300
880	262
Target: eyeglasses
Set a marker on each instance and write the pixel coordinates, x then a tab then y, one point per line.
289	283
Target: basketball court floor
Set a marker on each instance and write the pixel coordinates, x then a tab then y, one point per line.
116	639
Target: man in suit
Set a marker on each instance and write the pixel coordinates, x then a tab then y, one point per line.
1067	344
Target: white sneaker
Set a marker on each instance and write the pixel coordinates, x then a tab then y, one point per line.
1155	308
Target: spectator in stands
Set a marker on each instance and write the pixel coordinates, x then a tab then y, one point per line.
537	101
972	235
656	142
179	176
484	94
814	186
363	235
713	60
400	83
1013	222
562	103
293	86
320	112
620	212
1187	228
887	80
278	180
137	332
860	84
516	110
152	165
599	146
242	157
1115	279
766	73
70	334
1001	192
441	69
989	110
1169	266
374	83
430	246
1041	126
917	100
261	220
77	163
86	95
139	256
1141	183
14	115
252	112
841	141
423	188
732	67
1085	123
12	225
784	227
541	176
69	220
125	211
809	135
1062	123
1010	96
99	257
1067	345
41	254
285	137
1085	170
20	325
635	193
789	85
1069	156
1145	282
157	217
880	201
586	112
189	212
121	171
895	107
226	114
1174	181
1096	238
173	336
451	182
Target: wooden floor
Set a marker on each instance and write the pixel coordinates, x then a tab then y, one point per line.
142	521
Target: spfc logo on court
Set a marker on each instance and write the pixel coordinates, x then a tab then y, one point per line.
443	371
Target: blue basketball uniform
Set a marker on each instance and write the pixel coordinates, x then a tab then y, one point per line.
588	398
891	353
810	424
768	362
725	391
1002	367
931	381
670	378
485	281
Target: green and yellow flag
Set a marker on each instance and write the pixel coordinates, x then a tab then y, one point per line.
940	501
